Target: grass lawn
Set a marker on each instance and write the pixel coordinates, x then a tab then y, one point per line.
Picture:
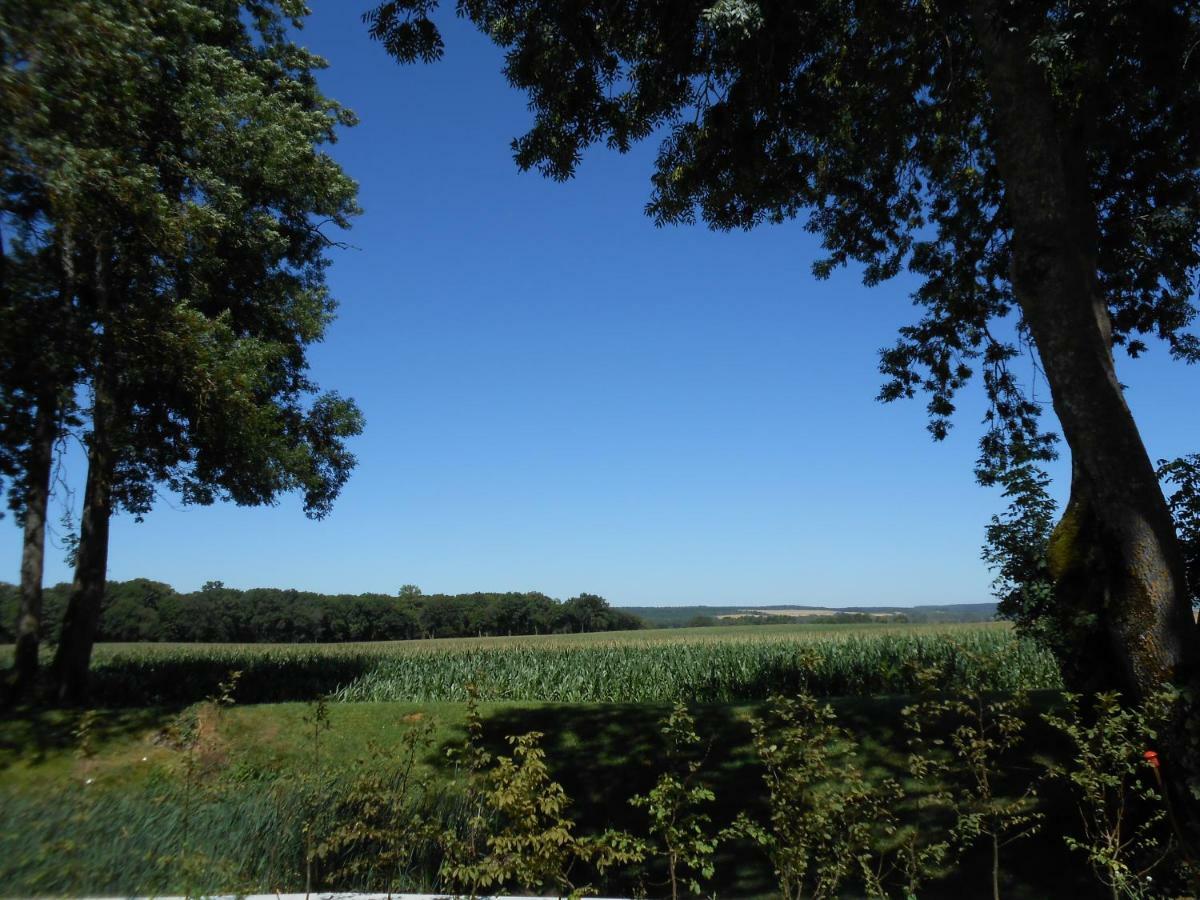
121	831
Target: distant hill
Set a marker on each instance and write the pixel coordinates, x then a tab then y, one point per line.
681	616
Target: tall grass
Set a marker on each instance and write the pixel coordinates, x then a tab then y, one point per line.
144	840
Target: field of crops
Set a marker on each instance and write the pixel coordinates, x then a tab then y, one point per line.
226	798
705	664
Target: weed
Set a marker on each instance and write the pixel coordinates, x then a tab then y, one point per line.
961	743
679	829
1112	774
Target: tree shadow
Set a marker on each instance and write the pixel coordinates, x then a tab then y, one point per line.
130	681
35	736
1032	868
604	754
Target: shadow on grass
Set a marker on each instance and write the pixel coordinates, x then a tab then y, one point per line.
127	681
36	736
605	754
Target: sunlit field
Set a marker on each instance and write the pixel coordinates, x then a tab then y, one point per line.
735	664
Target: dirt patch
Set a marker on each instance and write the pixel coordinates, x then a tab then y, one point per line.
799	613
197	731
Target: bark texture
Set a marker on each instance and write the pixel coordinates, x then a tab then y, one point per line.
33	551
1115	551
74	655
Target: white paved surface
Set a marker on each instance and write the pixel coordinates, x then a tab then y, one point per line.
337	896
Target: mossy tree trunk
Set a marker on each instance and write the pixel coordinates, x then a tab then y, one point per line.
1115	555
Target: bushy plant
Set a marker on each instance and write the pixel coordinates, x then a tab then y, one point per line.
84	734
826	817
961	744
1113	774
196	732
316	722
680	831
382	828
519	830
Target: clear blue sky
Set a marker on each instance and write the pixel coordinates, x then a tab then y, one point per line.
561	397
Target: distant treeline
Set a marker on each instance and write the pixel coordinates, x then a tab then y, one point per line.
144	610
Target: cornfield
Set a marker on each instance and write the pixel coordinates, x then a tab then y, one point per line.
705	665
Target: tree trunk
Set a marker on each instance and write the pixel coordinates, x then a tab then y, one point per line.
74	654
1089	659
33	552
1118	530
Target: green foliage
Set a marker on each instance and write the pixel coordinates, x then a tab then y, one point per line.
679	829
1117	785
826	817
317	722
144	610
1015	550
518	830
533	843
196	732
382	829
169	157
83	734
223	807
1183	475
964	743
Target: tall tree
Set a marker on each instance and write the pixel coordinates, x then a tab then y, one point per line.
199	259
38	334
33	414
1037	164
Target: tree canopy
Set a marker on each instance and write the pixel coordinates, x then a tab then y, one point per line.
1036	166
163	162
871	121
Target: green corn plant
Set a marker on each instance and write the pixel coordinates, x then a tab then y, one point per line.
717	667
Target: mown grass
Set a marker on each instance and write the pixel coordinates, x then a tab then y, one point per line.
705	664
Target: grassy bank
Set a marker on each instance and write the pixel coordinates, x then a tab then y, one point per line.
130	818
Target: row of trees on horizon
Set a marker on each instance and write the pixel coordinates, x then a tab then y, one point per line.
145	610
